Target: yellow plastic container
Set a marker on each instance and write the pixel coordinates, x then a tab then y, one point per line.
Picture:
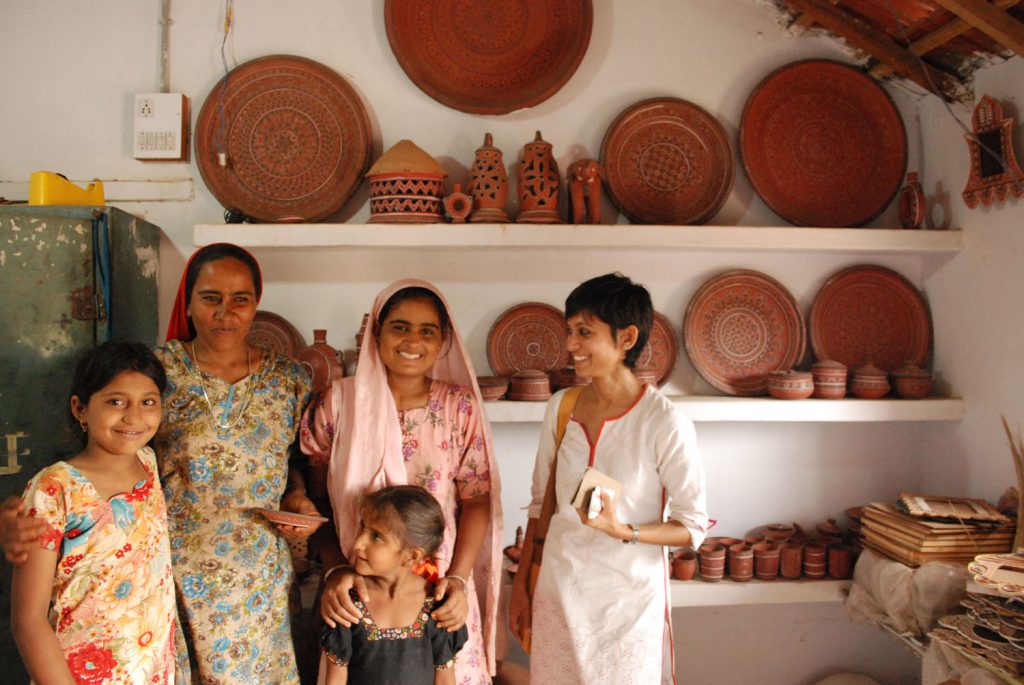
49	188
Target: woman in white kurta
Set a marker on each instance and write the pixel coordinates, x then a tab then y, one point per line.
601	610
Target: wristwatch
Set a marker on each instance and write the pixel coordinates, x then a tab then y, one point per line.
636	535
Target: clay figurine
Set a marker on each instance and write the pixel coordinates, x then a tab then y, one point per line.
584	178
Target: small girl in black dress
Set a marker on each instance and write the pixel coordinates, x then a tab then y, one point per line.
396	641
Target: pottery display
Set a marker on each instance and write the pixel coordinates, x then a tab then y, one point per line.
829	379
790	385
741	562
684	564
869	382
529	385
275	333
712	562
840	561
488	184
566	377
661	349
911	203
323	363
911	382
492	387
538	183
584	178
406	185
766	560
458	205
779	532
791	560
530	335
815	560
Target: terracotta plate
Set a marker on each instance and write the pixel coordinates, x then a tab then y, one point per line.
296	135
661	349
528	336
870	314
668	162
288	518
275	333
823	144
740	326
489	57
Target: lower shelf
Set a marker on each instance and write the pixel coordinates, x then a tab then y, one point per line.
698	593
979	661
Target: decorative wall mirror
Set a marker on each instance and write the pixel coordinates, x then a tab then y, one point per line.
994	169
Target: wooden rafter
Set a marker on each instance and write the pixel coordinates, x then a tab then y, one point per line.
989	19
903	62
938	38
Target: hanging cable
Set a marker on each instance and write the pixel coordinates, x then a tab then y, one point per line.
219	142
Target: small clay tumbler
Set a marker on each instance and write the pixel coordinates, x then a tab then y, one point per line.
840	561
741	562
829	379
791	560
684	564
814	560
712	563
766	560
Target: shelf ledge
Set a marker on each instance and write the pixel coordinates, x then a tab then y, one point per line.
755	409
697	593
616	236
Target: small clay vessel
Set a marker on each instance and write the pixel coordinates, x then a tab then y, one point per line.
766	560
712	562
488	184
566	377
538	184
911	204
684	564
790	385
492	387
911	382
829	379
814	560
869	382
840	561
791	560
741	562
321	361
529	385
458	205
778	532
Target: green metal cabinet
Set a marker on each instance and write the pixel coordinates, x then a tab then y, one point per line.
70	277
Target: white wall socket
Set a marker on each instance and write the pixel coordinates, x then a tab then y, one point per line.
161	126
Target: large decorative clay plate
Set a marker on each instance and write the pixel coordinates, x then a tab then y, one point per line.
823	144
274	332
740	326
489	57
528	336
296	138
661	349
870	314
668	161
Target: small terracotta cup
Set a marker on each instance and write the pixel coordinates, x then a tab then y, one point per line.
814	560
741	562
869	382
840	561
684	564
712	562
790	385
829	379
766	560
791	560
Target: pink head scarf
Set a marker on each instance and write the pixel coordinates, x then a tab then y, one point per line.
367	450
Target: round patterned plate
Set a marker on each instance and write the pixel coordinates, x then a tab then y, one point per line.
296	136
661	349
668	161
489	57
823	144
870	314
275	333
740	326
528	336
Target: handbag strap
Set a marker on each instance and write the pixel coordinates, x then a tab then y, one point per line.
547	510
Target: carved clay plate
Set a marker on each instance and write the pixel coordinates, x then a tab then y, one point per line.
740	326
297	139
489	57
661	349
668	161
528	336
275	333
870	314
1002	572
823	144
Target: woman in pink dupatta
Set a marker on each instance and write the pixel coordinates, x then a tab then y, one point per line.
413	414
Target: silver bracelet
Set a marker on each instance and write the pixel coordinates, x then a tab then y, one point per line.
465	585
636	535
333	569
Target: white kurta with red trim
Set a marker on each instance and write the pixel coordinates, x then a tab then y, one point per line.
602	612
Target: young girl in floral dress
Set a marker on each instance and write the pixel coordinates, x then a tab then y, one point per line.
104	561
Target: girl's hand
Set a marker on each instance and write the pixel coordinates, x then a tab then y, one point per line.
336	606
19	534
297	502
520	613
453	613
605	521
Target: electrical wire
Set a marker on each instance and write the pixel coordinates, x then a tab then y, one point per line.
219	144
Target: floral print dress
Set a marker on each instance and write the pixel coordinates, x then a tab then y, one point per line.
113	592
233	572
444	451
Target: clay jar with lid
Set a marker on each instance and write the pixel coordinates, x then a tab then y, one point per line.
741	562
712	562
869	382
529	385
566	377
778	532
911	382
829	379
790	385
791	560
814	560
684	564
840	561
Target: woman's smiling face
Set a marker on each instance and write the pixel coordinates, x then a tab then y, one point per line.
410	338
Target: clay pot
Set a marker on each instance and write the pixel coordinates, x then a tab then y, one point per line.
814	560
791	560
840	561
405	186
911	382
829	531
869	382
766	560
538	184
529	385
492	387
741	562
322	361
488	184
684	564
566	377
829	379
729	542
779	532
712	562
754	539
458	205
790	385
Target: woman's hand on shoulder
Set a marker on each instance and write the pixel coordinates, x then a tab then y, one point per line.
453	613
19	534
336	605
297	502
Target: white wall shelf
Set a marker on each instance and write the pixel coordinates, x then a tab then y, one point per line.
616	237
713	408
698	593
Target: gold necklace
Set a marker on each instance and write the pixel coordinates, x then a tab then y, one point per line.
219	426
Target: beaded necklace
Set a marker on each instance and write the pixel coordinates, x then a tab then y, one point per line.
219	426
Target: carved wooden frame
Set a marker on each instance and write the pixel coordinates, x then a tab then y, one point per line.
992	179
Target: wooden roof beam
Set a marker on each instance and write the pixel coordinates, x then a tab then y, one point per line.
938	38
989	19
878	45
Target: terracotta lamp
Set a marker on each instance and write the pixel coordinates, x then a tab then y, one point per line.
406	185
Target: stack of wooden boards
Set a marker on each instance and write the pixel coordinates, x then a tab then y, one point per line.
915	539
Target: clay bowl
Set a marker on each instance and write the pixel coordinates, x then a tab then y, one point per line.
492	387
790	385
911	382
529	385
869	382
